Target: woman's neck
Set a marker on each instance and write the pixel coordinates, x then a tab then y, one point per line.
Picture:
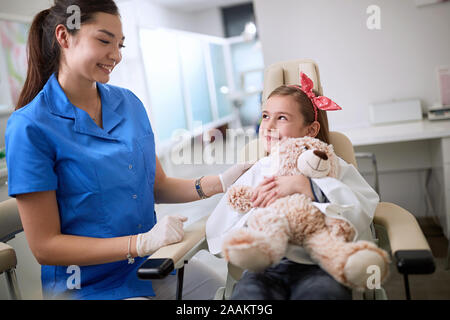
81	92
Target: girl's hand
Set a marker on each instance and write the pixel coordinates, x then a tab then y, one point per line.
273	188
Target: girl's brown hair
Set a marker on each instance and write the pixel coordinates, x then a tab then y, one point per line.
43	50
306	109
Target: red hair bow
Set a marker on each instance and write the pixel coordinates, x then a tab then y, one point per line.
320	102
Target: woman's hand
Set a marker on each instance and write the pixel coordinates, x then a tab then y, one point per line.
228	177
273	188
167	231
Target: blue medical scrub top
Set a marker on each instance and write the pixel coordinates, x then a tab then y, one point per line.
103	180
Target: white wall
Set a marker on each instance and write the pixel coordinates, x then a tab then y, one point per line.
206	21
209	22
203	21
23	8
359	66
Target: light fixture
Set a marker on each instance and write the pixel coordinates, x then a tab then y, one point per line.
249	32
224	90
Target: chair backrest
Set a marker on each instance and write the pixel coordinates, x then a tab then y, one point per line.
343	147
288	72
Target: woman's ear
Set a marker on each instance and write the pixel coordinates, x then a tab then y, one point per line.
313	129
62	36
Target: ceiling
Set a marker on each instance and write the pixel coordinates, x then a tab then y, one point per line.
196	5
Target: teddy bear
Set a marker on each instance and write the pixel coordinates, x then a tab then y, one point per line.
294	219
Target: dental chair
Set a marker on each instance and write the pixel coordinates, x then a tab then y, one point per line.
396	229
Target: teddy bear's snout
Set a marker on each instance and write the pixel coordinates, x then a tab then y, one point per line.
314	163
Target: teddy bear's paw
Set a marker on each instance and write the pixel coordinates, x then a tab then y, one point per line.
366	268
239	198
252	259
247	250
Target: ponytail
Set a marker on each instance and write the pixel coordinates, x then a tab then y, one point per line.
42	48
38	70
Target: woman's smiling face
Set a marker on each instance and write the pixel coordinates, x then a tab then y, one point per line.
96	48
281	118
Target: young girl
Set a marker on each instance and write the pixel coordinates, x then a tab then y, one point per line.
82	164
296	111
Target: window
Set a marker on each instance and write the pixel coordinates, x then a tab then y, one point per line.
187	81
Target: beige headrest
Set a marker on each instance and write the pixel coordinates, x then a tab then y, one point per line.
288	72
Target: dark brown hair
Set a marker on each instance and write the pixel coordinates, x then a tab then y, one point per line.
306	109
43	50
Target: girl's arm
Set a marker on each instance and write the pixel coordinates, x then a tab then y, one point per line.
40	219
273	188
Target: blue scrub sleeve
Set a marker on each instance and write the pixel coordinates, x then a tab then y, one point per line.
29	157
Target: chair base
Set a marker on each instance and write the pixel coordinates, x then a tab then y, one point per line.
13	286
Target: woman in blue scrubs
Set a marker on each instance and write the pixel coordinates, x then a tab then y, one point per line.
82	164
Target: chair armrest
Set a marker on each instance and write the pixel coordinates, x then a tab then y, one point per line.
8	259
10	223
407	241
171	257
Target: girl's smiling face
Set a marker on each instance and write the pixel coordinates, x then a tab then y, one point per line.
281	118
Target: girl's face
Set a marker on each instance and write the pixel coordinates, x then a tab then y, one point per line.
95	49
281	118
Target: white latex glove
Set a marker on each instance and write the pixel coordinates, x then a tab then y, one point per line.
228	177
167	231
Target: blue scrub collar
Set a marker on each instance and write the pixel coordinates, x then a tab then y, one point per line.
60	105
